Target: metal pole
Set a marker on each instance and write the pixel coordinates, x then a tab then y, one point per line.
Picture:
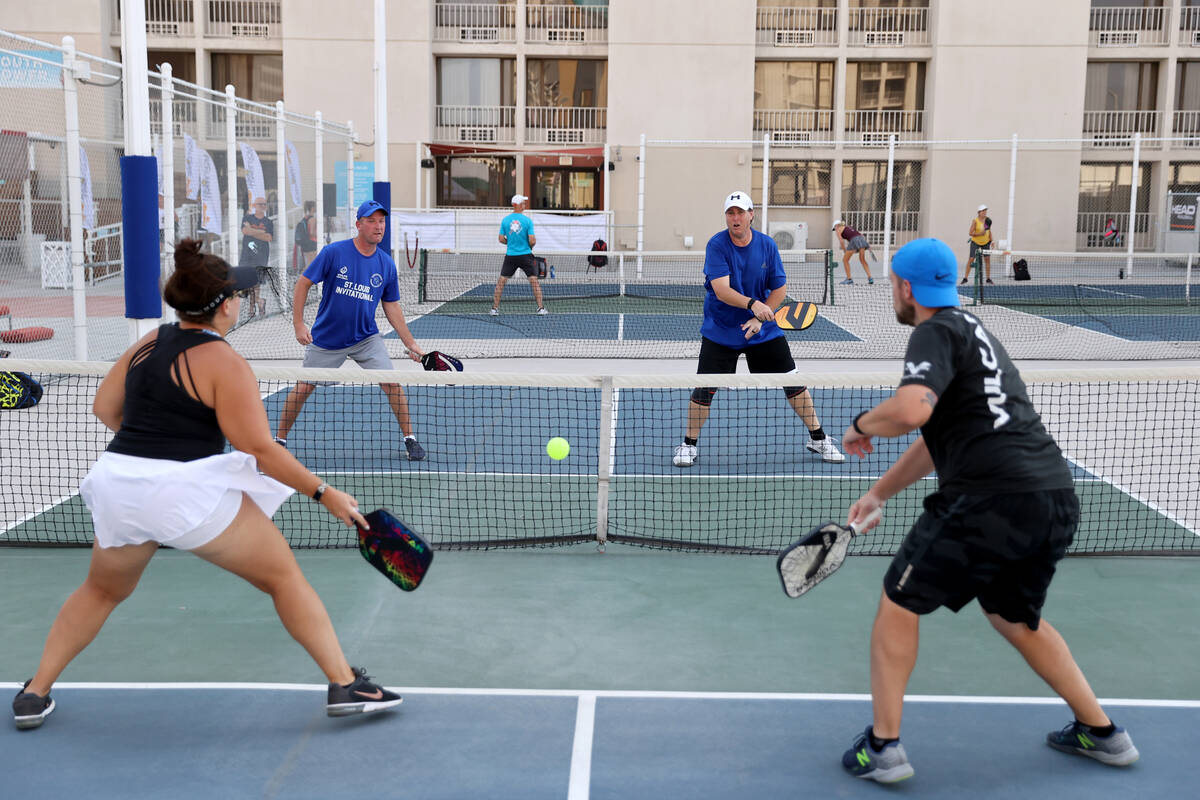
135	84
349	180
231	253
1012	207
766	179
417	175
381	120
281	227
74	197
606	175
1133	191
641	201
887	206
318	180
168	157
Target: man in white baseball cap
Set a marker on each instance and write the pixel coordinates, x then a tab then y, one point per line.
516	234
744	284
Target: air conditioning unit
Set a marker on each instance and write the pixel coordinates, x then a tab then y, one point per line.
795	38
250	30
162	28
478	34
876	238
564	135
1112	140
875	139
1195	38
789	235
791	137
477	133
884	39
1117	38
564	34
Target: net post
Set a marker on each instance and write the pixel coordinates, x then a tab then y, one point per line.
829	281
424	259
978	266
604	457
887	202
1187	281
1012	194
167	89
621	271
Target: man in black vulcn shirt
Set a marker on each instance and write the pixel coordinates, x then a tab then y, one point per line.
1004	513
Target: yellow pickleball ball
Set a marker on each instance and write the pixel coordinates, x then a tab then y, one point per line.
557	448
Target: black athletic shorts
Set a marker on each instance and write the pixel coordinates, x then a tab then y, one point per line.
772	355
1001	548
513	263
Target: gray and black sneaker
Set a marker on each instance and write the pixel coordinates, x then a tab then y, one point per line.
414	449
360	696
888	765
30	710
1116	749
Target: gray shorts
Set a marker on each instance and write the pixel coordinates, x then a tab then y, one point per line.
858	243
370	353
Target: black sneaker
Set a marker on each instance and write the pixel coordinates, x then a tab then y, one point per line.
1116	749
359	697
414	450
30	710
989	280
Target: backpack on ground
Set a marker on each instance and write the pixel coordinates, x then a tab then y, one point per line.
1020	270
598	246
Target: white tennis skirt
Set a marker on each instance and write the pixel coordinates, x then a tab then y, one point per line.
184	504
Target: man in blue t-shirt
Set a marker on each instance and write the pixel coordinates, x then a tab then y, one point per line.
356	277
745	282
516	233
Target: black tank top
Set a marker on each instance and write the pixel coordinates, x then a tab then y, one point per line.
161	420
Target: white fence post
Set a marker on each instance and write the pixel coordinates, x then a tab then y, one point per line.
281	204
1012	208
318	185
887	206
349	182
168	165
233	228
1133	193
641	199
766	179
74	197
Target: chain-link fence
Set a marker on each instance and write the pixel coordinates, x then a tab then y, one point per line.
218	155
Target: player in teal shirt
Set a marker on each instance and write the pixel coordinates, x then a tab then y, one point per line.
516	234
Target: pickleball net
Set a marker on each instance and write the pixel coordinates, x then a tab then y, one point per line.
487	482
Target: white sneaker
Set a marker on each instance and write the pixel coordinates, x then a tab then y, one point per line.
542	311
827	450
685	455
495	312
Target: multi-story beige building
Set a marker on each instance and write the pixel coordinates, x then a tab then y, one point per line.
530	96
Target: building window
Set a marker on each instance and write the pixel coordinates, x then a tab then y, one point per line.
563	188
1185	177
256	76
796	184
183	64
864	194
566	82
885	86
475	180
476	82
1187	86
1104	187
1121	86
793	84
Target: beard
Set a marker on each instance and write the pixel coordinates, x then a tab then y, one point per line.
906	314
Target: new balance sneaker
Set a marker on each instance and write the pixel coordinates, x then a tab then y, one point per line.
1116	749
848	282
685	455
888	765
30	710
826	449
414	450
495	312
360	696
542	311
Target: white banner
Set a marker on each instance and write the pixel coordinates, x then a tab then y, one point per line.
431	230
293	173
562	232
191	167
210	194
256	187
85	193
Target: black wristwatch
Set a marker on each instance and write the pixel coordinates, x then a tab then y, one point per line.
320	491
854	424
750	305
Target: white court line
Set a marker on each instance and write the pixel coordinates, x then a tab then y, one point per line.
579	785
1107	290
621	693
621	327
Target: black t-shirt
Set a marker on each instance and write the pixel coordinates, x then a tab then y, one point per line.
256	252
984	435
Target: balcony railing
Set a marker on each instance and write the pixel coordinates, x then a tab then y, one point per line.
183	117
888	27
243	19
1127	26
906	225
1116	128
796	27
1189	26
475	23
245	125
873	128
1186	123
794	126
565	125
555	24
475	124
167	18
1091	225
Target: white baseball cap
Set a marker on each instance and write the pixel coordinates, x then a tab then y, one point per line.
519	198
739	199
982	207
837	222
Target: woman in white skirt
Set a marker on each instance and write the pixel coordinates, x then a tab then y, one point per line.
173	399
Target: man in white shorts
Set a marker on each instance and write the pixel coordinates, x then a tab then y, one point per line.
358	277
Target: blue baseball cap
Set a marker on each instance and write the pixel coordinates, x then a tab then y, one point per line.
929	265
370	207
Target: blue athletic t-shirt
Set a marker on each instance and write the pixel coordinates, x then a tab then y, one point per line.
354	286
754	270
518	228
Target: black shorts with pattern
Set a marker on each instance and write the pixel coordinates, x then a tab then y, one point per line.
1001	548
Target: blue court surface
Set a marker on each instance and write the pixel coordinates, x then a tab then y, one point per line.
1137	327
274	741
616	327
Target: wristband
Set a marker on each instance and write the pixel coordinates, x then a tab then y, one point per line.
320	491
750	305
854	424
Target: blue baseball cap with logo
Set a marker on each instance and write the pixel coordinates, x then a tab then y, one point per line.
929	265
370	207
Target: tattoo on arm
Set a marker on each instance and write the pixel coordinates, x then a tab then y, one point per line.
930	398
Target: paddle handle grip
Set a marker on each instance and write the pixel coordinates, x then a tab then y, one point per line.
871	519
